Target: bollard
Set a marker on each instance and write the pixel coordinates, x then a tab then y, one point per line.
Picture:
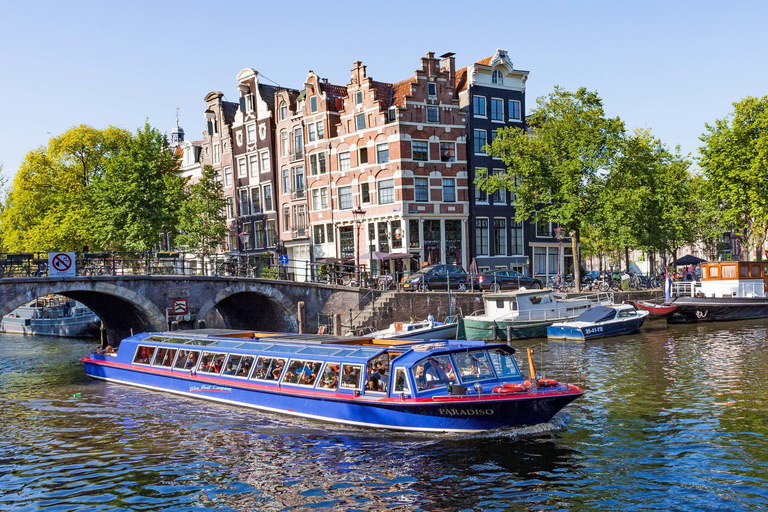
301	316
336	324
509	333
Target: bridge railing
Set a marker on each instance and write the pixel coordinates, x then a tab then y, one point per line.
121	263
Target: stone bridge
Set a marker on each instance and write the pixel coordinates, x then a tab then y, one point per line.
145	303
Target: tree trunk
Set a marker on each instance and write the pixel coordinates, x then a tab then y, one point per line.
626	256
576	262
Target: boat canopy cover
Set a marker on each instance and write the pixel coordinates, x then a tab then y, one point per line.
596	314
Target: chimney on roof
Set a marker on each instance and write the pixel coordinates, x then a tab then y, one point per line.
448	64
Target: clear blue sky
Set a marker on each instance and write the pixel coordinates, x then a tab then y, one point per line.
664	65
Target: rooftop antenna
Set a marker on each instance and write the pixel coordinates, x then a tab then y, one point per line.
177	116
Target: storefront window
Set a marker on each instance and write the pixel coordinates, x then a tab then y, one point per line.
453	242
414	241
432	241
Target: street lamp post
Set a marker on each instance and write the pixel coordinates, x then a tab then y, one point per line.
358	214
559	232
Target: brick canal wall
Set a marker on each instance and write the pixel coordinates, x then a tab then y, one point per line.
407	306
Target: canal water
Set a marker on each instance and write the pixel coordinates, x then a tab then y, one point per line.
674	418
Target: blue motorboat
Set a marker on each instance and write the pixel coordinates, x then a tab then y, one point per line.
436	386
599	322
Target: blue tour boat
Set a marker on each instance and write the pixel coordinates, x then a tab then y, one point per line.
436	386
599	322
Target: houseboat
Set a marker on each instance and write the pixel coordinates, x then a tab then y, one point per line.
526	313
437	386
728	290
599	322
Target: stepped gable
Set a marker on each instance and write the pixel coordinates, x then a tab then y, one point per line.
383	92
461	79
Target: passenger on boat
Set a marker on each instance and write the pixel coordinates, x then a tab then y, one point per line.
277	369
244	370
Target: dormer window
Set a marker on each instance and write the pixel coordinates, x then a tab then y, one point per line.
497	77
432	89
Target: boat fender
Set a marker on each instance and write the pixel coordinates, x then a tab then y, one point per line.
546	383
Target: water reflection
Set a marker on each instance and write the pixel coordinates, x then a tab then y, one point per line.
673	418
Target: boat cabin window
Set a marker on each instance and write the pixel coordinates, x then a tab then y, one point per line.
755	270
211	362
729	271
433	372
401	381
238	366
504	363
329	379
187	359
377	374
143	355
164	357
302	372
473	366
268	368
351	375
627	312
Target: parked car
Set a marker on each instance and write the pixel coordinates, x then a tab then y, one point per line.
495	280
437	277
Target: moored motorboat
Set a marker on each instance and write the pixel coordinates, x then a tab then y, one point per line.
526	313
429	329
52	316
438	386
599	322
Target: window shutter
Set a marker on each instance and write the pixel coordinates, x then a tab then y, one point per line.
210	128
242	104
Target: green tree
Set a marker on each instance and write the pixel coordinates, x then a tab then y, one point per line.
49	206
203	223
734	159
648	201
139	194
557	173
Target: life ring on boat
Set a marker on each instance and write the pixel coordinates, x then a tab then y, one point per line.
546	383
398	326
511	388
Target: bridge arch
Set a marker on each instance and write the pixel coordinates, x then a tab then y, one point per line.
252	306
120	309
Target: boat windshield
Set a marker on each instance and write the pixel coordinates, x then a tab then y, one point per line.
504	363
473	365
433	372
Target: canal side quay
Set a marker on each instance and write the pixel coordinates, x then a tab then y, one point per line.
397	306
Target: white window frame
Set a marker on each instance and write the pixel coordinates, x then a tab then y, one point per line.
500	118
345	163
484	115
413	152
503	240
433	108
250	131
216	154
382	148
475	138
451	182
313	104
253	161
242	168
478	172
265	163
416	188
343	190
380	188
519	109
432	85
228	176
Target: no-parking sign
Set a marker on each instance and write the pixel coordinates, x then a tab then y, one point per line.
61	264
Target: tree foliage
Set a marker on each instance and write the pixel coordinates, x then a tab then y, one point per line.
734	159
202	222
49	206
139	195
648	200
558	172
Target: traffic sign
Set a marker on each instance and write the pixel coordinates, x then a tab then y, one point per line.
61	264
180	307
283	259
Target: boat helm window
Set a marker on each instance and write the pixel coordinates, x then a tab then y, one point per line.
164	357
211	362
302	372
329	378
268	368
143	355
473	365
433	372
627	312
351	375
187	359
401	382
504	363
238	366
377	374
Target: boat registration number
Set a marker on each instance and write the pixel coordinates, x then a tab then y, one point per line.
593	330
